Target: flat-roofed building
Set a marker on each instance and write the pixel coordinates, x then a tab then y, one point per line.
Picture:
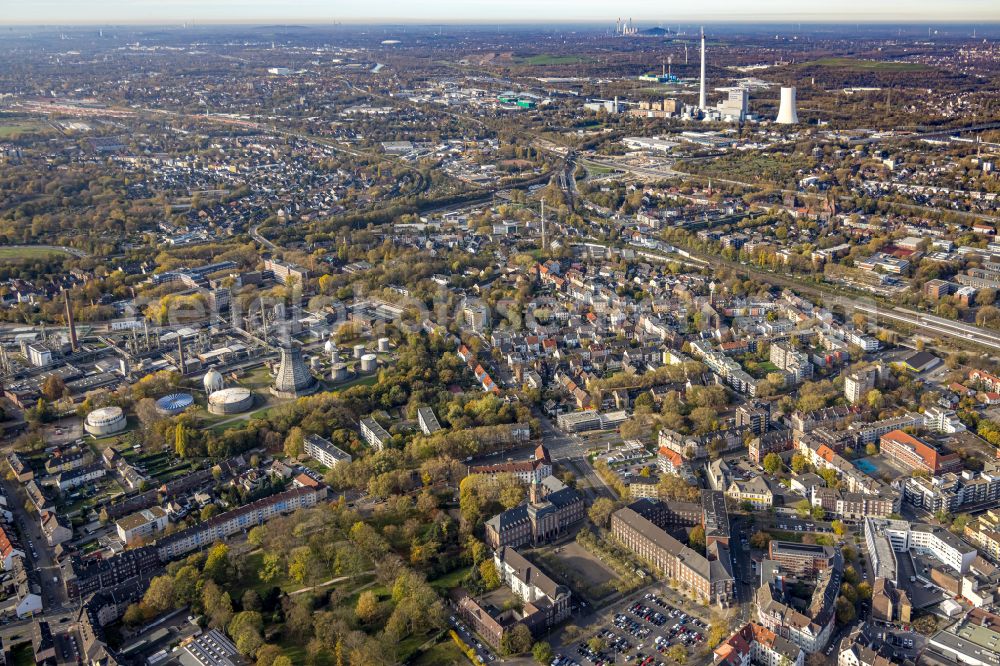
376	436
800	558
141	524
324	451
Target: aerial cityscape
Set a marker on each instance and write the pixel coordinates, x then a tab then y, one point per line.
576	342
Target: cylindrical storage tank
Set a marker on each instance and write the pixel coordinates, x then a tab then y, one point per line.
383	344
338	372
174	404
369	362
359	351
232	400
314	362
105	421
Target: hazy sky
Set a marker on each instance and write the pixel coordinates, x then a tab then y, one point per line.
648	11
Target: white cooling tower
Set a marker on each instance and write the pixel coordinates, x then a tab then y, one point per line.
787	115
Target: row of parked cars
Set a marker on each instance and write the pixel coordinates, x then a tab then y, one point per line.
627	624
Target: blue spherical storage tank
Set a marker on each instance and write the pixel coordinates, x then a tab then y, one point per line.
173	404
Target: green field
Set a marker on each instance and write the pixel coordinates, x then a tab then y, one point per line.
549	59
444	652
12	253
15	128
867	65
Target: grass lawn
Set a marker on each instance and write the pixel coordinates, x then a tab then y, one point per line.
782	535
868	65
293	649
13	128
27	253
443	652
549	59
367	380
408	646
449	580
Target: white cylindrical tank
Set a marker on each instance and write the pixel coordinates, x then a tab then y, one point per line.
230	401
338	372
213	381
314	362
369	362
359	351
787	113
383	344
105	421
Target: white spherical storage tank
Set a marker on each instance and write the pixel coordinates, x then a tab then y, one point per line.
213	382
105	421
369	362
230	401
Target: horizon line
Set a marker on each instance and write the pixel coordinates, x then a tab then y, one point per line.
773	19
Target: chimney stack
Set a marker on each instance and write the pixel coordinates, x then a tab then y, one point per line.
701	91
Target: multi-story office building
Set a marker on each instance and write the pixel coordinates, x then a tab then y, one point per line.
800	558
710	580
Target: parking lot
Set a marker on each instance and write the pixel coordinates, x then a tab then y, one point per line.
641	632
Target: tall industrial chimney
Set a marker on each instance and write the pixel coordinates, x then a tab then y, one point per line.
701	91
70	322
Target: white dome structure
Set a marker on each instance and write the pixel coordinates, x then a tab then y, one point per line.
330	346
213	382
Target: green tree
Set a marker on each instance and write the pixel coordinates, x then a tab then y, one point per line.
270	567
600	511
488	571
696	538
678	653
217	565
293	446
159	596
367	607
542	652
772	463
845	610
180	440
516	641
245	628
760	539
